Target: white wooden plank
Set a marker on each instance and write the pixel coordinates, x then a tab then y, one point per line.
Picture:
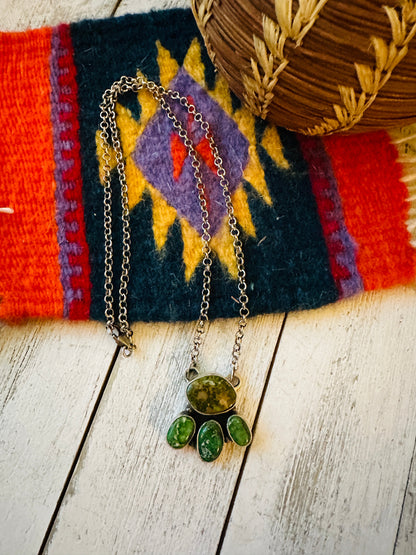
19	15
131	492
406	537
136	6
328	466
50	377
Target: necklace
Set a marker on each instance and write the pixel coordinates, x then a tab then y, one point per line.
210	418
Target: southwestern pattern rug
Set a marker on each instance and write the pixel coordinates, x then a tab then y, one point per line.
320	219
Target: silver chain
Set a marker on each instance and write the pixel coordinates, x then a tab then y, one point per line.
120	329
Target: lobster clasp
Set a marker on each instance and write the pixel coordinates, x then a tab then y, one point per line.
123	340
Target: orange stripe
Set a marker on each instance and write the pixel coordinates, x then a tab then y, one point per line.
29	267
375	206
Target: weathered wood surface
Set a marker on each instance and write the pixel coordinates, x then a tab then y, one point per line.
340	407
131	492
327	471
135	6
18	15
51	375
406	535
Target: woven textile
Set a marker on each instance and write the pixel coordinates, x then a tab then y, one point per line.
321	219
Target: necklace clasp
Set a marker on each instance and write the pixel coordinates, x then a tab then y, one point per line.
123	340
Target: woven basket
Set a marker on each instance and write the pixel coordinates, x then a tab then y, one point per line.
317	66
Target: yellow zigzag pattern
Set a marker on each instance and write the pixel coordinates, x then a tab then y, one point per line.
165	215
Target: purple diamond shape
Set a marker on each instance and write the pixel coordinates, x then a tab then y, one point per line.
153	154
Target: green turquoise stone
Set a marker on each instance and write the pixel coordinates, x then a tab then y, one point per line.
211	394
238	430
181	431
210	441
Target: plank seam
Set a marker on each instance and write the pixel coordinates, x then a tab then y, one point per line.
256	418
412	460
78	453
116	7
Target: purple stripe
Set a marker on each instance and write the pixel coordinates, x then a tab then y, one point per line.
75	294
348	257
66	249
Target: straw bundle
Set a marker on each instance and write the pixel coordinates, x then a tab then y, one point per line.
317	66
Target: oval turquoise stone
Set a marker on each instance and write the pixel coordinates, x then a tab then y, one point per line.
210	441
181	431
239	430
211	394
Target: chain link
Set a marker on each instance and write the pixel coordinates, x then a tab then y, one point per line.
109	134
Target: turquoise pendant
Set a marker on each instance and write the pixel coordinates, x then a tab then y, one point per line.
210	416
181	431
210	441
238	430
211	394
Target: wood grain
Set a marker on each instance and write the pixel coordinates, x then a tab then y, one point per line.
131	492
51	373
19	15
335	438
406	535
50	378
136	6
